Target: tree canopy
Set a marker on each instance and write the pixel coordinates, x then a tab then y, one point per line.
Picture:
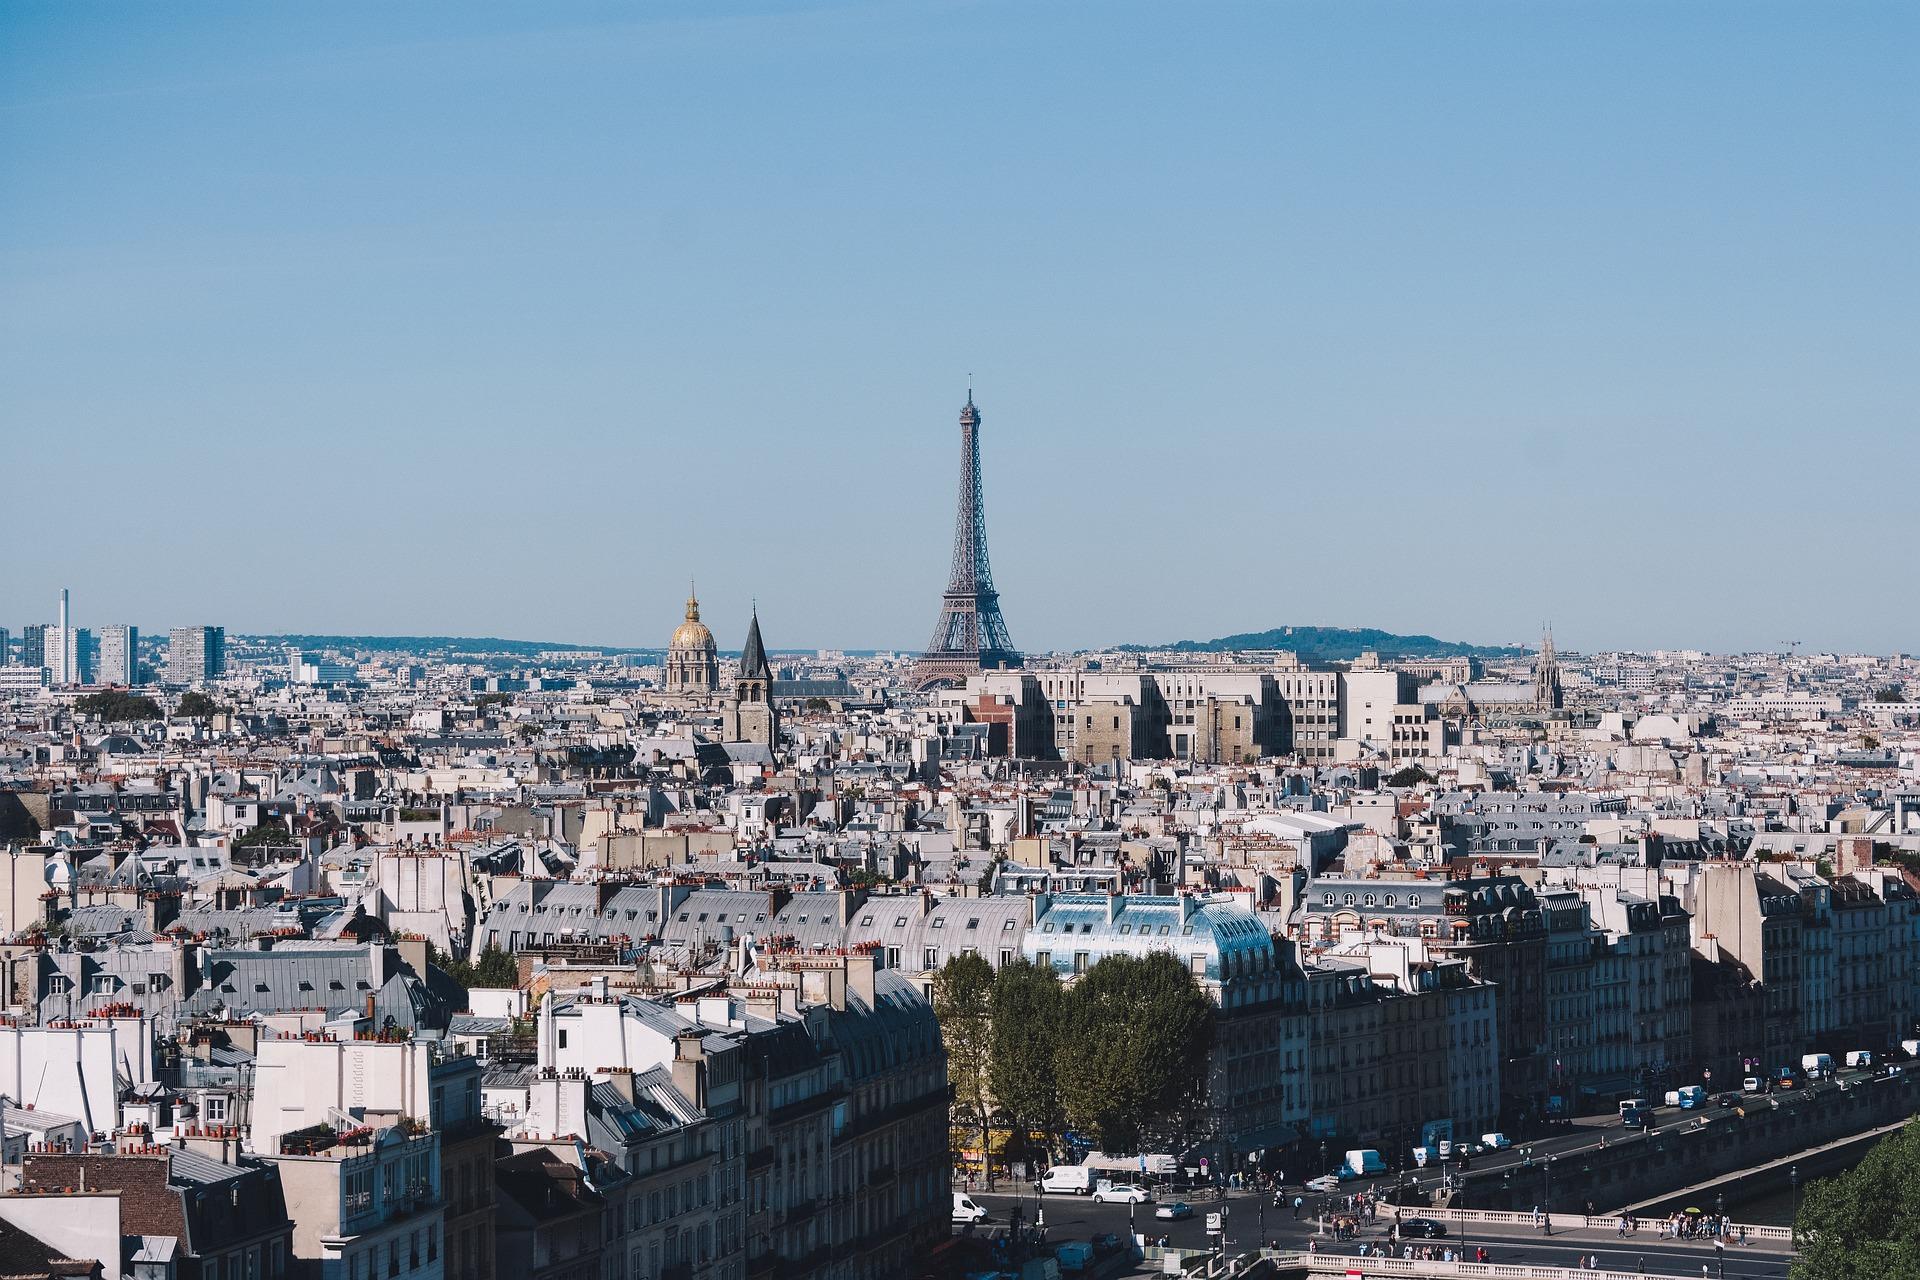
272	831
1865	1224
114	705
1026	1025
963	1002
196	705
1135	1047
1121	1051
495	969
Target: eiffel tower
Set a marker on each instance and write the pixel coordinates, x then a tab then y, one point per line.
971	635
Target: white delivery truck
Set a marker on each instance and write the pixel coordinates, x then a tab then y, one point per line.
1068	1179
965	1210
1817	1065
1860	1057
1364	1163
1689	1097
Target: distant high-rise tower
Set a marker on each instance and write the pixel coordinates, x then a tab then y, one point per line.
971	635
196	654
33	645
119	656
1547	694
69	649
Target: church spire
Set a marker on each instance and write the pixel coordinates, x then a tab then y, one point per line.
753	658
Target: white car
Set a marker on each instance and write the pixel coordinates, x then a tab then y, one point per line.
1496	1141
1125	1193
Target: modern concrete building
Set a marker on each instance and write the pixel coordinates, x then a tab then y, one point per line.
196	655
119	649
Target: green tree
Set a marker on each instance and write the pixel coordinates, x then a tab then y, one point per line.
963	1002
114	705
494	969
1865	1224
1411	776
1027	1002
272	831
1134	1048
196	705
1891	693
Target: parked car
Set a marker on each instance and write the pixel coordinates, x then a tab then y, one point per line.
1422	1229
1496	1141
1174	1211
1325	1184
1121	1193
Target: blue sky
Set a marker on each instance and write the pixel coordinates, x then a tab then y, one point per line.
1441	317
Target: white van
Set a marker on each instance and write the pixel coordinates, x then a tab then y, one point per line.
965	1210
1860	1057
1068	1179
1817	1064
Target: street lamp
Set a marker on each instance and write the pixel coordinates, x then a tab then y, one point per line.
1793	1178
1546	1219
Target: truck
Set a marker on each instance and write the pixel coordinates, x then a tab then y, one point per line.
1364	1163
1068	1179
1687	1097
1817	1065
1860	1057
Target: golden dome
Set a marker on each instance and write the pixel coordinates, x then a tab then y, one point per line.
693	633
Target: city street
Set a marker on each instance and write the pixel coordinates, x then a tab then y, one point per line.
1587	1133
1077	1218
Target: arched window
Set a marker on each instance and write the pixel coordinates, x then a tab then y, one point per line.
1349	899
